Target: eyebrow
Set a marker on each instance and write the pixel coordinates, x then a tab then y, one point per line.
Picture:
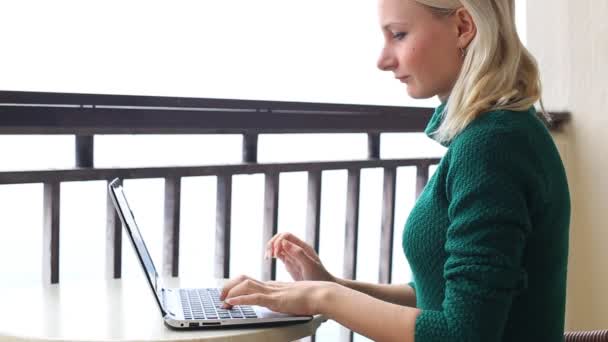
387	26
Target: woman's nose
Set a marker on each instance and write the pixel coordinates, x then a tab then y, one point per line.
386	62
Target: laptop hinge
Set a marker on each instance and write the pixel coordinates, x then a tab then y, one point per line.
163	301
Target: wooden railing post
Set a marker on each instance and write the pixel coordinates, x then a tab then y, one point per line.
171	226
373	145
387	225
84	150
352	223
50	236
313	215
113	240
271	211
250	148
313	209
351	233
222	228
422	177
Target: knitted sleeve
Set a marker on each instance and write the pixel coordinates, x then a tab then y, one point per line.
412	284
487	182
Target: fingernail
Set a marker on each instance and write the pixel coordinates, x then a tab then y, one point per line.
228	301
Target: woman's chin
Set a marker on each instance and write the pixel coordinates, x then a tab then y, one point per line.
414	94
417	94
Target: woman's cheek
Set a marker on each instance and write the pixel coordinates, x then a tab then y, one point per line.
412	58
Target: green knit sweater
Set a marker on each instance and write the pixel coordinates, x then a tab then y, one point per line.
487	240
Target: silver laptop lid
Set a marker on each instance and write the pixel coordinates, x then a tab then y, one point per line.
128	221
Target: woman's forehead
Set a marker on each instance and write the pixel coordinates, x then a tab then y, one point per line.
398	11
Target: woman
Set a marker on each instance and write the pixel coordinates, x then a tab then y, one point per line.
487	240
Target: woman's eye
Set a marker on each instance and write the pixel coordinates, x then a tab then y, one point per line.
399	35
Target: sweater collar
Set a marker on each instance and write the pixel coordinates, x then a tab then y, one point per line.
435	122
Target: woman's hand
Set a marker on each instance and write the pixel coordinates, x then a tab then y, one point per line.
300	259
297	298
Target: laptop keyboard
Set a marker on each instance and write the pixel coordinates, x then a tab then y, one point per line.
206	304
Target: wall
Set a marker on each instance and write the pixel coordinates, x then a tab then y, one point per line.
570	40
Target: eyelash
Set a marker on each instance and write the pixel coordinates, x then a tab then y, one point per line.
399	35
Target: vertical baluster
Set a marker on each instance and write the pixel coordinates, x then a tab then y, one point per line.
386	230
171	228
84	150
50	236
271	204
351	233
113	240
373	145
313	209
222	228
422	177
313	217
250	148
352	223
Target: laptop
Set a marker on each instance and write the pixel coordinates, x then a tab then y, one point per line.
189	308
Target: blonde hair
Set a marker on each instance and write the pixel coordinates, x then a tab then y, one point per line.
498	72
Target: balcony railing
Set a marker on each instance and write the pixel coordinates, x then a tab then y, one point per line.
85	115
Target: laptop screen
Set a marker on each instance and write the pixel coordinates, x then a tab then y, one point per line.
128	220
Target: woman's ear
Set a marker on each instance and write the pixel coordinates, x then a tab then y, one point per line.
466	27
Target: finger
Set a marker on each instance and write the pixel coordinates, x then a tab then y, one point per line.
270	285
276	245
300	259
251	299
230	284
305	246
270	245
273	285
278	284
271	241
276	242
296	252
268	248
249	286
293	268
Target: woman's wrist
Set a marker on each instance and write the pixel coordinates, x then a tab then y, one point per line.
328	291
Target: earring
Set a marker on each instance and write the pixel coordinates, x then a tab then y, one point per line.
463	52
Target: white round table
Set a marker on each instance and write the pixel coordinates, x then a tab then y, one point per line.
114	310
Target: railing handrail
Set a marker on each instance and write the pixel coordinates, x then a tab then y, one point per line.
100	173
82	99
90	114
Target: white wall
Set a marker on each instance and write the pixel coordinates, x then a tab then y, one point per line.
570	40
